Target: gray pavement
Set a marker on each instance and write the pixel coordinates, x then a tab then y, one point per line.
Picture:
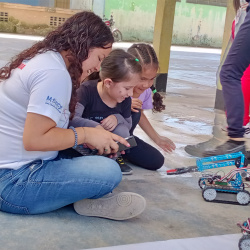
175	207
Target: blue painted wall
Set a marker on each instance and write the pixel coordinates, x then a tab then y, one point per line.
44	3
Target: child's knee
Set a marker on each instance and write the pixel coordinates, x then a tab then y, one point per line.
121	130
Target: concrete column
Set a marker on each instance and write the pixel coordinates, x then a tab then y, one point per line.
99	7
220	116
164	21
81	5
230	15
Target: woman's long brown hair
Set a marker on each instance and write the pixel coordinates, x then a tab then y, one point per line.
79	34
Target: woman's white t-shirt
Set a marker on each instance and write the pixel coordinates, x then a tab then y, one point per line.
41	85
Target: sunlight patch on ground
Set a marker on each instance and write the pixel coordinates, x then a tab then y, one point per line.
194	127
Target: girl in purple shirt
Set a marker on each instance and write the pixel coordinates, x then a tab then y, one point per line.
145	155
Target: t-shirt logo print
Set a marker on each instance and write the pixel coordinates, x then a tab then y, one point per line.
21	66
54	103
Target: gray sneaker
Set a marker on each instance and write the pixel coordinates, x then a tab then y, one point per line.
121	206
228	147
198	149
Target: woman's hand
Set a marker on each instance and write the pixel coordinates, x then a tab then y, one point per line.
165	143
102	140
136	104
99	127
109	123
41	134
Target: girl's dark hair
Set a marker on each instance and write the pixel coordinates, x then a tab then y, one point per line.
236	4
158	105
78	34
119	65
94	76
148	58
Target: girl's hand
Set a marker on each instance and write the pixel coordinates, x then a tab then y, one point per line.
165	143
136	104
109	123
102	140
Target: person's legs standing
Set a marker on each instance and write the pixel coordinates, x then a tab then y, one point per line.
238	59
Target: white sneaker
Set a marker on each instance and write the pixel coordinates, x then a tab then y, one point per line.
247	131
121	206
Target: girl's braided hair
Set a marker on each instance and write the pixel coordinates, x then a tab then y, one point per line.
78	34
148	58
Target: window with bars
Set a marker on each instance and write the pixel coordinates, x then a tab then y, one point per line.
65	4
56	21
4	17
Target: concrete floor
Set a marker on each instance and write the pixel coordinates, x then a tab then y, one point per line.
175	207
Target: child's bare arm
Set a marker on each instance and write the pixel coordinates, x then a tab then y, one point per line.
165	143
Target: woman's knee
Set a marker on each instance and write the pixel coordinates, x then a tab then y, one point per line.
111	170
109	176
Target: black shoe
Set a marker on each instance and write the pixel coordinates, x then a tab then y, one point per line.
124	167
228	147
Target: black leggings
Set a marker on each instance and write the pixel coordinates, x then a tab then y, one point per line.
143	155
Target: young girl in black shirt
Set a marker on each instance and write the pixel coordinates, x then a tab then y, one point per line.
106	104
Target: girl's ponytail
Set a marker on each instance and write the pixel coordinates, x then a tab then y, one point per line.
158	105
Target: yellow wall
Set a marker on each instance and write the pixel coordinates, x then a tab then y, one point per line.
31	19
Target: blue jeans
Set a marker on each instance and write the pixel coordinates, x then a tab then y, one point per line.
44	186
